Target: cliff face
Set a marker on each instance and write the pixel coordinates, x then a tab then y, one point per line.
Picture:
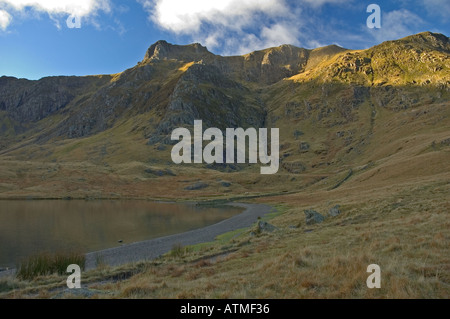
304	92
31	101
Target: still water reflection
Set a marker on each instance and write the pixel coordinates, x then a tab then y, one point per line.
28	227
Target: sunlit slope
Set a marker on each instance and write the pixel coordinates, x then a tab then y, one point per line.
345	117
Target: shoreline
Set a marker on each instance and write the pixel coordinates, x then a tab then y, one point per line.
153	248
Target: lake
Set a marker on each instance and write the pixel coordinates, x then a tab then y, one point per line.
30	227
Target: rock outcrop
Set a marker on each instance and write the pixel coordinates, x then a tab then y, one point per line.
313	217
334	211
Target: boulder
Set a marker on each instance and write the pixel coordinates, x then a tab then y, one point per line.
196	186
158	172
313	217
297	134
265	227
334	211
304	146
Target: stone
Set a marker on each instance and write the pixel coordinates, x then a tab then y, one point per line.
304	146
313	217
297	134
294	167
265	227
334	211
158	172
196	186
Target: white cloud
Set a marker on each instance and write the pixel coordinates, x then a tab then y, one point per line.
318	3
437	7
397	24
181	16
280	34
271	36
5	19
243	25
79	8
237	26
76	7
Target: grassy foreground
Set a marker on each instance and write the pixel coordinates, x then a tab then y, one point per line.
402	228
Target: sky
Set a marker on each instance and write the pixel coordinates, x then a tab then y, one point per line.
41	38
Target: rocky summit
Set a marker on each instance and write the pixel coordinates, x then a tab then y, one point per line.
367	112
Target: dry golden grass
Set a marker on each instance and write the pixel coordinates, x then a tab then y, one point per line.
405	232
394	214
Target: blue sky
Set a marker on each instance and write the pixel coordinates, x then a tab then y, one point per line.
35	40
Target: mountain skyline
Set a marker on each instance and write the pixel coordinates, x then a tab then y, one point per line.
38	42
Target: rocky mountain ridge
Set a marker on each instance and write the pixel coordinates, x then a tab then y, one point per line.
327	101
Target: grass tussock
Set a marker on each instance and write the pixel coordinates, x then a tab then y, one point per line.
179	251
47	264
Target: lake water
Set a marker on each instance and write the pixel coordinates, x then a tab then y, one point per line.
29	227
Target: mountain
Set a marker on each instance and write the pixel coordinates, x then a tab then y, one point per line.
346	117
